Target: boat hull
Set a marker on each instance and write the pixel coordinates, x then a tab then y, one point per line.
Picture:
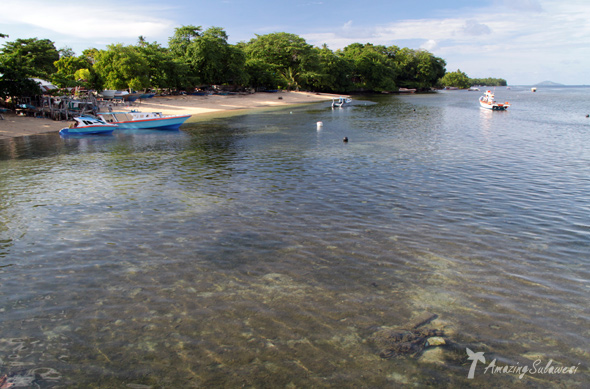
494	107
170	123
87	131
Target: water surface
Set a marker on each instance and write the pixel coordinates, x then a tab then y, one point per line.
262	251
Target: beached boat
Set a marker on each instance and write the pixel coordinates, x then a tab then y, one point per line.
143	120
341	102
87	125
488	101
108	94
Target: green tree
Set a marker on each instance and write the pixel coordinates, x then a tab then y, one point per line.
374	67
456	79
122	67
30	57
163	69
290	60
213	60
182	38
65	76
488	81
335	71
418	68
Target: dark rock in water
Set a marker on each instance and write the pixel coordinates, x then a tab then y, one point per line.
395	343
410	341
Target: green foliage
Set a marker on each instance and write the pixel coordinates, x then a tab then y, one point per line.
460	80
336	71
292	62
65	76
182	38
196	57
30	57
15	84
374	67
213	60
456	79
488	81
122	67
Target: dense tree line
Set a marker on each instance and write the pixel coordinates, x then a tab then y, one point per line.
460	80
196	58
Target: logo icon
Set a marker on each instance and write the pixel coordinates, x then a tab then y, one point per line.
475	357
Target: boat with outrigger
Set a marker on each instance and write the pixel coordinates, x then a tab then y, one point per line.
488	101
88	125
136	120
341	102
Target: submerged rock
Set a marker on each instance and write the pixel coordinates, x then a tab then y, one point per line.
393	343
411	341
435	341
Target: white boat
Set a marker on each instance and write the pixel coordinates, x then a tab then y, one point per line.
143	120
108	94
87	125
488	101
341	101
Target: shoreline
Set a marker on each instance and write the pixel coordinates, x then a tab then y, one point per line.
200	107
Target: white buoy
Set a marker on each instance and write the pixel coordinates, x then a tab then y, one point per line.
320	125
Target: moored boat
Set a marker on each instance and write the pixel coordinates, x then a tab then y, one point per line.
488	101
88	125
143	120
341	102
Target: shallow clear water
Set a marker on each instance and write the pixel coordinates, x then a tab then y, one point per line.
262	251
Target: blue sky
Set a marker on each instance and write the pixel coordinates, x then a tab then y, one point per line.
522	41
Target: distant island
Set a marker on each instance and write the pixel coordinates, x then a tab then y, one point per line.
548	83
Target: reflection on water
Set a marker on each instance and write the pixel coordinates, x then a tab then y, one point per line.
261	251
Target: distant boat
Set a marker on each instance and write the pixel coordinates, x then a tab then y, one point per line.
533	89
488	101
143	120
472	88
406	90
341	102
87	125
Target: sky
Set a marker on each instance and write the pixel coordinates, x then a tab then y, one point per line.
522	41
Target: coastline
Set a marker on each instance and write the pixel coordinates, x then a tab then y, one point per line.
198	106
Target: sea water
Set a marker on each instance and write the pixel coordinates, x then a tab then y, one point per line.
263	251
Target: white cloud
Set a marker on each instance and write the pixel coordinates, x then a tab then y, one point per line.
429	45
473	27
85	20
502	40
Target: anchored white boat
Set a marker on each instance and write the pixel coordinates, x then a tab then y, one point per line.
488	101
143	120
341	102
87	125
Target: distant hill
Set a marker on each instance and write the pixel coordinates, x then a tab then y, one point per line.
549	83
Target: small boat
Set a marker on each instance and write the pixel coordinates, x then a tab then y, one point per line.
88	125
341	102
108	94
143	120
533	89
488	101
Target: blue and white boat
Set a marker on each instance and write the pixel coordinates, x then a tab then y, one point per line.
341	102
143	120
87	125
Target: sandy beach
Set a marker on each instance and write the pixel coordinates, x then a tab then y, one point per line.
198	106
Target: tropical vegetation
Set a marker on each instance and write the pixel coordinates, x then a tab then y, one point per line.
196	58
